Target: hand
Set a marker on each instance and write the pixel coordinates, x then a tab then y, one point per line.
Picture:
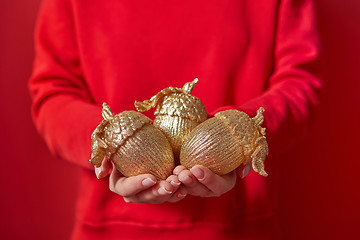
200	181
142	188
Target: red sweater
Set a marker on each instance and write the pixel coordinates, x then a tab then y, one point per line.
245	53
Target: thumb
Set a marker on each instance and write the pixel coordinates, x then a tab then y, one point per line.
215	183
104	169
246	169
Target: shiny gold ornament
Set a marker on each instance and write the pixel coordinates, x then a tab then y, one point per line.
132	143
226	141
177	113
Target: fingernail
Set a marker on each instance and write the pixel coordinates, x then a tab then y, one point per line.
164	191
181	195
198	173
246	170
97	172
186	179
148	182
176	184
176	171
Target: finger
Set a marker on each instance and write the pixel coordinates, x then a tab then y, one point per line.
180	194
243	170
215	183
166	189
128	186
193	186
104	169
178	169
247	168
186	178
159	193
173	180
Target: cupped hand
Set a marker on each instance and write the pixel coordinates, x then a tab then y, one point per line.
143	188
202	182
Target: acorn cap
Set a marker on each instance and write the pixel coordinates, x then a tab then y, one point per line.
176	102
182	105
122	126
113	132
242	124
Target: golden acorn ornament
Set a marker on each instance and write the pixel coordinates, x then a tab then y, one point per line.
226	141
177	113
133	144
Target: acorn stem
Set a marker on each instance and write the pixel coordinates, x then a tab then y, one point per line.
259	118
189	87
106	111
148	104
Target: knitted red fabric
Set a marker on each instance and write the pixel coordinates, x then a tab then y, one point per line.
245	53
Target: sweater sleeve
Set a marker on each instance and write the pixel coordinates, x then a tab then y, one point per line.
63	110
293	89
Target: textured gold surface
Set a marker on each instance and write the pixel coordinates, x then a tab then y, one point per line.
180	134
134	145
147	151
177	113
226	141
176	129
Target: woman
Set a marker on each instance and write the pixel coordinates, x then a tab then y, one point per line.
246	54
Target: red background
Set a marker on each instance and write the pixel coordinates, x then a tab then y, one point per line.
319	188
